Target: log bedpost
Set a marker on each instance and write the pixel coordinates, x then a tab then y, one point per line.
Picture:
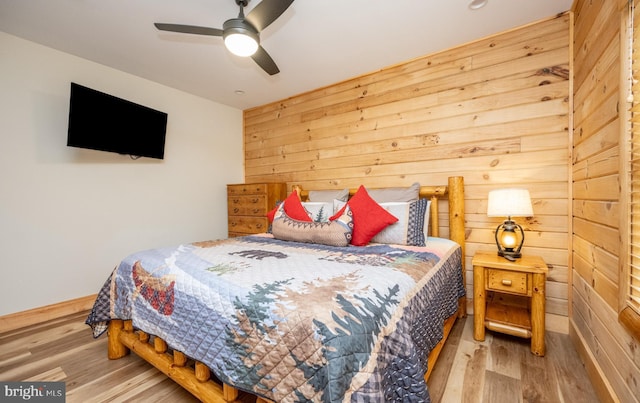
115	347
456	227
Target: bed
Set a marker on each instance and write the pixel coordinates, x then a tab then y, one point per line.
289	321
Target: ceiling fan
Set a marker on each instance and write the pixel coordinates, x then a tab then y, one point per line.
242	35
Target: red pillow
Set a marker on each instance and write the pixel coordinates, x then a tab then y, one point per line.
293	207
369	217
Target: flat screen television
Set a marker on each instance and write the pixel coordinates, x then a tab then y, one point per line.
104	122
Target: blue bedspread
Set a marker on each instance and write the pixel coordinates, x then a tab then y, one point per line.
290	321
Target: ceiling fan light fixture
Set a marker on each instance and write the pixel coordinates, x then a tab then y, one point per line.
240	38
241	44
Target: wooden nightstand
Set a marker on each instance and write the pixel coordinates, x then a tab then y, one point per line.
509	297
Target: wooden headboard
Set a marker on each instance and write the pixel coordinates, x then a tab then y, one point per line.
453	192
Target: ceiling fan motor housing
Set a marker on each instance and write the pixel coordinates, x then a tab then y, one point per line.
240	26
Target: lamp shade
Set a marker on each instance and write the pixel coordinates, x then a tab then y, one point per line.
512	202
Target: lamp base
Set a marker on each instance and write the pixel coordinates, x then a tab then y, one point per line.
509	254
507	239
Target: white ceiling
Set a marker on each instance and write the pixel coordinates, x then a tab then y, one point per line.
314	43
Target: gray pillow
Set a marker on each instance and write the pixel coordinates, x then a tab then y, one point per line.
388	195
412	225
327	196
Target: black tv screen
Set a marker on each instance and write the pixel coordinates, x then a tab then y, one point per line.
104	122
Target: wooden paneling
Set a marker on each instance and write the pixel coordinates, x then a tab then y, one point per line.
495	111
611	354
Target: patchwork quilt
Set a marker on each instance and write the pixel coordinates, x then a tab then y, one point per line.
291	321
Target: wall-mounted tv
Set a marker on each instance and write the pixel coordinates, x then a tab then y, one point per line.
104	122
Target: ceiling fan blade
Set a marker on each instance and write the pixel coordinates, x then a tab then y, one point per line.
262	58
189	29
267	12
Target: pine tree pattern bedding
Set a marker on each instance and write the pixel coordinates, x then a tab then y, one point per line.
294	322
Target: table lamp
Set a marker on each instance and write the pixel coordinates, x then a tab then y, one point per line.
509	203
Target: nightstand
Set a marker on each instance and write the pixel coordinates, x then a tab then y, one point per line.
509	297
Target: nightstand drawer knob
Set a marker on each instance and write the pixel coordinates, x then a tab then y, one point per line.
506	282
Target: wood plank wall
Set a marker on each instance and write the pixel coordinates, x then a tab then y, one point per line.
495	111
599	104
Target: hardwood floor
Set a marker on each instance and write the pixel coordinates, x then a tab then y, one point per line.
500	369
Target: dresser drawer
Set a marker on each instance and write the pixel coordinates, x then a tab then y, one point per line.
247	189
251	205
507	281
248	225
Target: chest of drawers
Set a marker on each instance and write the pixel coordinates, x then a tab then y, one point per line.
248	205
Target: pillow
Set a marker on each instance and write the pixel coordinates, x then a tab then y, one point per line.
328	195
293	207
368	217
427	215
319	211
412	226
333	233
388	195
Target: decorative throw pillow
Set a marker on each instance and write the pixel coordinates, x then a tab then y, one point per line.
318	211
388	195
368	217
410	227
333	233
328	195
293	207
427	216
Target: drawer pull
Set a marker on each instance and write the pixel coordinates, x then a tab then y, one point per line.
506	282
235	210
255	200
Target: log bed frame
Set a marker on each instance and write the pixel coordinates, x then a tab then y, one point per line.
196	377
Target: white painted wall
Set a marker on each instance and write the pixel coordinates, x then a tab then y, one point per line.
67	215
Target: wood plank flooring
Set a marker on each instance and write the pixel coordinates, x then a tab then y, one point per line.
500	369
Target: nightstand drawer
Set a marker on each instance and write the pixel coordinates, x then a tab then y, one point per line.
507	281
